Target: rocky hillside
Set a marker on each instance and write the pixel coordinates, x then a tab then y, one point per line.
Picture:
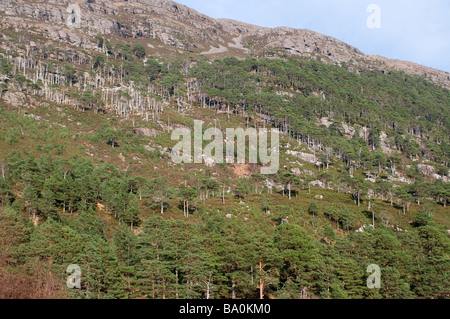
171	28
88	177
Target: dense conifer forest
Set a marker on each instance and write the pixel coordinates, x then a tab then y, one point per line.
87	177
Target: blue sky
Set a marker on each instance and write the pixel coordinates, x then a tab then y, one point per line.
411	30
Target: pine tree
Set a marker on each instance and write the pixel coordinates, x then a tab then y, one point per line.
160	192
266	261
47	204
139	50
265	204
156	250
313	209
14	232
131	215
101	277
6	194
296	249
55	244
328	233
30	197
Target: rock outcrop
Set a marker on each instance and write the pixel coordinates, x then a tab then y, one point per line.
180	29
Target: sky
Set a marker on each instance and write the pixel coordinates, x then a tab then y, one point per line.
409	30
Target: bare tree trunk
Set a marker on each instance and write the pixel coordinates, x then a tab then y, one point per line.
233	290
373	219
289	187
261	282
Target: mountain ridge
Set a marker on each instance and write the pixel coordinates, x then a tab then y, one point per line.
187	31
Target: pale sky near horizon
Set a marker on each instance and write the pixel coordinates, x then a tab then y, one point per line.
411	30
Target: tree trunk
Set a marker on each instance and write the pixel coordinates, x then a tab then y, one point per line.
289	187
359	201
233	290
261	282
373	219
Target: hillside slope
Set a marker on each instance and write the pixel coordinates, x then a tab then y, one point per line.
87	175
